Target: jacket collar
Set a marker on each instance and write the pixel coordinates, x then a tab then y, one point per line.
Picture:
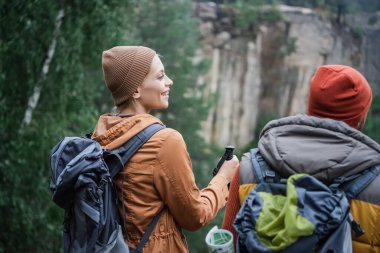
112	131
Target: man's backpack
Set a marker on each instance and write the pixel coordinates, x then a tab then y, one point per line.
81	183
300	213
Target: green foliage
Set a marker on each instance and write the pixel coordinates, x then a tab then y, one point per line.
372	19
288	46
30	221
338	8
71	98
357	32
250	12
272	15
305	3
371	127
247	12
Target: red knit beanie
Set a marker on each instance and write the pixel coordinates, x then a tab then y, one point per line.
124	69
341	93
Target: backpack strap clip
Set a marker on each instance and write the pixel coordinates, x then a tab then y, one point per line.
355	226
261	169
337	182
269	176
102	183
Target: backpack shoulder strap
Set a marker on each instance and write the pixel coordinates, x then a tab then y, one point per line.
261	169
116	159
353	185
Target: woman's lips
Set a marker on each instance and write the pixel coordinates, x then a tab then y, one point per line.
166	93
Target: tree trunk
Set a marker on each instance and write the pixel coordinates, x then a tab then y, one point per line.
33	99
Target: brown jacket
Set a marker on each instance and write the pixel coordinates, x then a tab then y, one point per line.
160	175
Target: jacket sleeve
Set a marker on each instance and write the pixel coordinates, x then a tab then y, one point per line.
174	179
233	206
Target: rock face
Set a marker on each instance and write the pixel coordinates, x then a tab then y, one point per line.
266	70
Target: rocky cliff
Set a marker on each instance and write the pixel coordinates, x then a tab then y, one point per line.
266	69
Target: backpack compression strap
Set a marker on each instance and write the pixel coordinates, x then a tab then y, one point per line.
262	171
145	237
354	184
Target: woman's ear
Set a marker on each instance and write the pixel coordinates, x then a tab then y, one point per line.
137	93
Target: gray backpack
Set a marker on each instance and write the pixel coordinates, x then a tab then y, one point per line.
81	183
300	213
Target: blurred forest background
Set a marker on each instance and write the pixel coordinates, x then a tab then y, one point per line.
51	86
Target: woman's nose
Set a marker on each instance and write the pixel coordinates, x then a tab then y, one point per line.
169	82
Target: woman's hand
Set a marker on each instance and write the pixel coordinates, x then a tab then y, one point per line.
228	168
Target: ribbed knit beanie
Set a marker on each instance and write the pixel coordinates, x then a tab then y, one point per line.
124	69
341	93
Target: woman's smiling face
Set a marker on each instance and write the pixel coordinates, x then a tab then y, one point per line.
153	93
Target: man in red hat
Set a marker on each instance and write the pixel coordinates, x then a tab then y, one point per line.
325	143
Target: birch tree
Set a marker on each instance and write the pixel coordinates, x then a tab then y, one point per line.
50	82
33	99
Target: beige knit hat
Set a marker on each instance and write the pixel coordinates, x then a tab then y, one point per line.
124	69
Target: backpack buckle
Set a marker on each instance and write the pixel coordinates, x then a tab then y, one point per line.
102	183
259	158
337	182
269	176
355	226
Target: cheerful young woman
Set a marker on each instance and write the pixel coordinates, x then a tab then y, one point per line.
159	176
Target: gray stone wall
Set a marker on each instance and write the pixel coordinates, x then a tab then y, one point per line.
266	70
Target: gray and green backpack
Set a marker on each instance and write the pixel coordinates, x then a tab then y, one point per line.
299	213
